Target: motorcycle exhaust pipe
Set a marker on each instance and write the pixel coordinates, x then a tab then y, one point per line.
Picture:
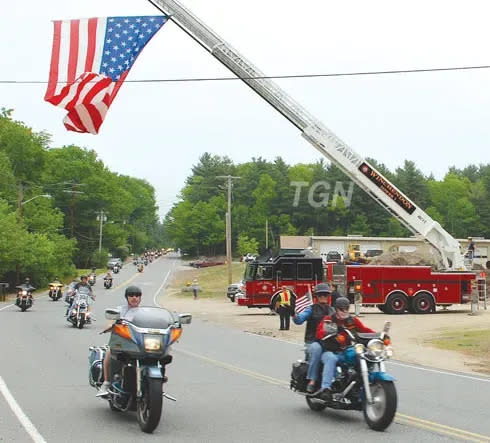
168	396
347	390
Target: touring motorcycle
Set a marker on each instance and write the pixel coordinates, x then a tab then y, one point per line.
140	346
24	298
361	381
55	290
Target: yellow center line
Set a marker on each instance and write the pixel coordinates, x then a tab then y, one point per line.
399	418
126	282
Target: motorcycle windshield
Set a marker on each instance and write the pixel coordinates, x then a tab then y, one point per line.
150	317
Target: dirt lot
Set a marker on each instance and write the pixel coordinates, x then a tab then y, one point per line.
416	338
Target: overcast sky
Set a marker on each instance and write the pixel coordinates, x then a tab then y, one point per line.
158	131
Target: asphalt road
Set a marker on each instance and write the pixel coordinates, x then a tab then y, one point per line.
231	386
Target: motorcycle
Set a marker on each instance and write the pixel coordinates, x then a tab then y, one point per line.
108	283
92	279
140	347
78	314
24	298
145	262
115	268
361	382
55	290
140	267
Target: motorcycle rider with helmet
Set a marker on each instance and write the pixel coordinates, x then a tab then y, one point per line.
133	296
313	315
336	344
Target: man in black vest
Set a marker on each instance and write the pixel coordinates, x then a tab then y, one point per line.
313	315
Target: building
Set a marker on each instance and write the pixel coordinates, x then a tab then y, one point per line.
324	244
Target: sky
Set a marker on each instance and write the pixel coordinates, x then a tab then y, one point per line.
158	131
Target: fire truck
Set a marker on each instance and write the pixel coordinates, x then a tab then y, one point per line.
357	169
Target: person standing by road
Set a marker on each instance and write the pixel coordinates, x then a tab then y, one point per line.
283	308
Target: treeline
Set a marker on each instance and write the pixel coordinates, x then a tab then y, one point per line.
50	199
314	199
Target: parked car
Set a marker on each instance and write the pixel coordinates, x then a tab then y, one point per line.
205	262
234	290
370	253
113	261
334	256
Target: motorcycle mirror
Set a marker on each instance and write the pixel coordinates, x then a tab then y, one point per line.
112	314
185	319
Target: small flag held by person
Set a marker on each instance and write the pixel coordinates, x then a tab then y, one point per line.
303	302
90	60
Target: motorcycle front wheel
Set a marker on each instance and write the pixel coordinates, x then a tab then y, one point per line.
380	414
149	408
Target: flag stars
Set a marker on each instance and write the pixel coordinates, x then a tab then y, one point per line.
152	19
111	70
107	52
136	31
110	30
108	41
126	20
125	31
122	55
118	25
120	67
118	35
123	44
132	26
113	59
115	47
138	20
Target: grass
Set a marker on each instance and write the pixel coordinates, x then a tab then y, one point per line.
213	280
474	343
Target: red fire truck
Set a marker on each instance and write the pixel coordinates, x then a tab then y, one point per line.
394	289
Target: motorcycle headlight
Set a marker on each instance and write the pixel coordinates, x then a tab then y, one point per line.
24	292
359	348
376	348
153	343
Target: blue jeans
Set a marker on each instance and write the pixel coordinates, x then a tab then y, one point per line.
330	361
314	354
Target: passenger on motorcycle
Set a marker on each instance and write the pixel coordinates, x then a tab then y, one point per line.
313	315
133	297
108	276
335	343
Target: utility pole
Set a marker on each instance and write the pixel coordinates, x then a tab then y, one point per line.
101	218
228	226
73	192
19	201
266	234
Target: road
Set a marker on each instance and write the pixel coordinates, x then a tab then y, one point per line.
231	386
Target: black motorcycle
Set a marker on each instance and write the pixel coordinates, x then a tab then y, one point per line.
92	278
107	283
55	290
116	268
140	348
24	298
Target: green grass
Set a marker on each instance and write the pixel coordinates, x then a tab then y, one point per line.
474	343
213	280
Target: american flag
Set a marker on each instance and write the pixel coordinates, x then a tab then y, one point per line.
303	302
90	60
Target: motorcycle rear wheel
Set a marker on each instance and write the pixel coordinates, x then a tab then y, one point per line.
380	414
315	405
149	408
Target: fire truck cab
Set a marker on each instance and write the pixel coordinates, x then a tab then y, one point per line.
298	272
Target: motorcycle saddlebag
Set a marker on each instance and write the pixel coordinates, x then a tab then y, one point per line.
298	376
96	366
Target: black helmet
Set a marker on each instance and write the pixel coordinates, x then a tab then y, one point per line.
342	302
323	288
27	280
132	290
82	277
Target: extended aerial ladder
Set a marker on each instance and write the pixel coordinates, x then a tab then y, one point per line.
322	138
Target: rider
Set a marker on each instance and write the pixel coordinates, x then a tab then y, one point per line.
335	346
313	315
108	276
84	289
133	297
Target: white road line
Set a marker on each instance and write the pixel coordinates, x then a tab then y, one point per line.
13	304
160	288
5	307
391	362
24	420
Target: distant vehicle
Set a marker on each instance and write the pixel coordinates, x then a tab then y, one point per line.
234	290
370	253
113	261
334	256
249	257
205	262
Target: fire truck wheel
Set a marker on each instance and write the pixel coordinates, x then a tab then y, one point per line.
422	303
396	303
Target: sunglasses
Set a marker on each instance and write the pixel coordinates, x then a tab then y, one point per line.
134	295
343	309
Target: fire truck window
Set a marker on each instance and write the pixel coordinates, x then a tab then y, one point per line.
305	271
288	271
264	272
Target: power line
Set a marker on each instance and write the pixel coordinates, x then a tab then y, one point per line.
286	76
